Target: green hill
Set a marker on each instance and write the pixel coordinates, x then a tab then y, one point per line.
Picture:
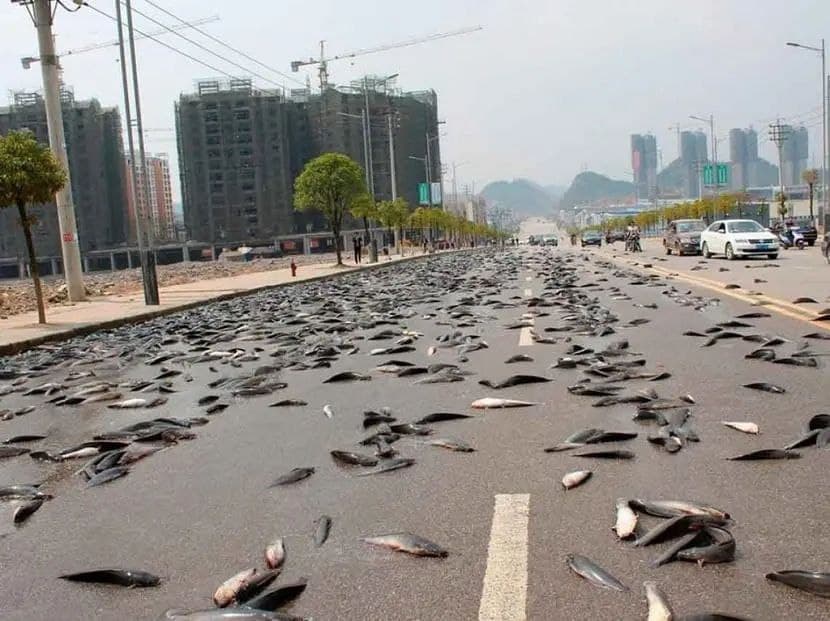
523	196
588	187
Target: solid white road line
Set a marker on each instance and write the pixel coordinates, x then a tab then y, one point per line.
504	596
526	337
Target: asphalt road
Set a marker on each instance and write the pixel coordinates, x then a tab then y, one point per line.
202	510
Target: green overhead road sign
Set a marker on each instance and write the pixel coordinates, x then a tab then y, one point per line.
722	174
423	194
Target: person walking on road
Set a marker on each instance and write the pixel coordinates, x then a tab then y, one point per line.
356	246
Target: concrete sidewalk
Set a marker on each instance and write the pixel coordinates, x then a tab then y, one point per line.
22	331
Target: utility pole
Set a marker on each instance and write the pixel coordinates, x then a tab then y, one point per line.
371	182
392	170
70	251
779	134
428	165
148	259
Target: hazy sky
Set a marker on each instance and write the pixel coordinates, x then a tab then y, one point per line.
547	89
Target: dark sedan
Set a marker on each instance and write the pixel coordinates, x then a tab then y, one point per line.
810	234
591	238
683	236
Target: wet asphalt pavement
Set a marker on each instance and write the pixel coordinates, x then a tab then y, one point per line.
199	511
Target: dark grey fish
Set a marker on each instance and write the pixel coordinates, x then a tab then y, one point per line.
674	527
255	585
808	439
819	421
353	459
671	553
216	408
712	616
754	315
798	361
121	577
518	358
766	387
208	399
322	528
12	451
411	429
24	438
720	548
766	454
814	582
347	376
763	353
409	543
439	417
593	573
410	371
804	300
282	595
452	444
22	492
288	403
389	466
615	454
116	472
515	380
296	475
26	510
611	436
673	508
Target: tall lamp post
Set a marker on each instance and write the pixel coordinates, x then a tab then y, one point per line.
824	126
711	121
42	15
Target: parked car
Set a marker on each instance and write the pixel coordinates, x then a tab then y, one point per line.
551	241
591	238
825	246
614	236
734	238
533	241
809	233
683	236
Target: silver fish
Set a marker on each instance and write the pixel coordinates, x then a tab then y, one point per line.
593	573
573	479
409	543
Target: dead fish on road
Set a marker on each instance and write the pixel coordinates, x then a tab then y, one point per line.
515	380
296	475
452	444
116	472
227	592
766	387
720	548
12	451
673	508
518	358
593	573
132	404
322	528
674	527
275	554
658	605
287	403
492	402
766	454
814	582
353	459
328	411
626	524
25	510
408	543
122	577
439	417
282	595
573	479
389	466
347	376
751	428
614	454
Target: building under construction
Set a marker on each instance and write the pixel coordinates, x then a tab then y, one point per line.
240	149
95	148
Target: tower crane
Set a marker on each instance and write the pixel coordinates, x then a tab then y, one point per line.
28	60
323	61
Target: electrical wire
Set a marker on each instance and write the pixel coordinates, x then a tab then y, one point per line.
206	49
162	43
223	44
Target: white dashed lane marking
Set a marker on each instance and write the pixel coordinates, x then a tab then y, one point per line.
504	595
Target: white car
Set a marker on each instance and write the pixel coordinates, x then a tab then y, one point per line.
735	238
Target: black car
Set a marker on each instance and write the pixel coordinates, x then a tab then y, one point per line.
810	234
591	238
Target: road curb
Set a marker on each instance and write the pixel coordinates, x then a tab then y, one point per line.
17	347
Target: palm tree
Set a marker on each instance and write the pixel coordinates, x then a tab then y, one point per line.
810	177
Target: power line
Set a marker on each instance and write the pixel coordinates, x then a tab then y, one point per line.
162	43
222	43
208	50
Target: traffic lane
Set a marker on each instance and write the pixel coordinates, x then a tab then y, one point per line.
201	511
775	504
800	272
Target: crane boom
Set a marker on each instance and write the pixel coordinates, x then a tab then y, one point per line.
323	60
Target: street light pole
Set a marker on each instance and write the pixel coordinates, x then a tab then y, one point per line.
70	250
825	126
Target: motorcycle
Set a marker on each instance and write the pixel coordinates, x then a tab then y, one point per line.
791	238
632	243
